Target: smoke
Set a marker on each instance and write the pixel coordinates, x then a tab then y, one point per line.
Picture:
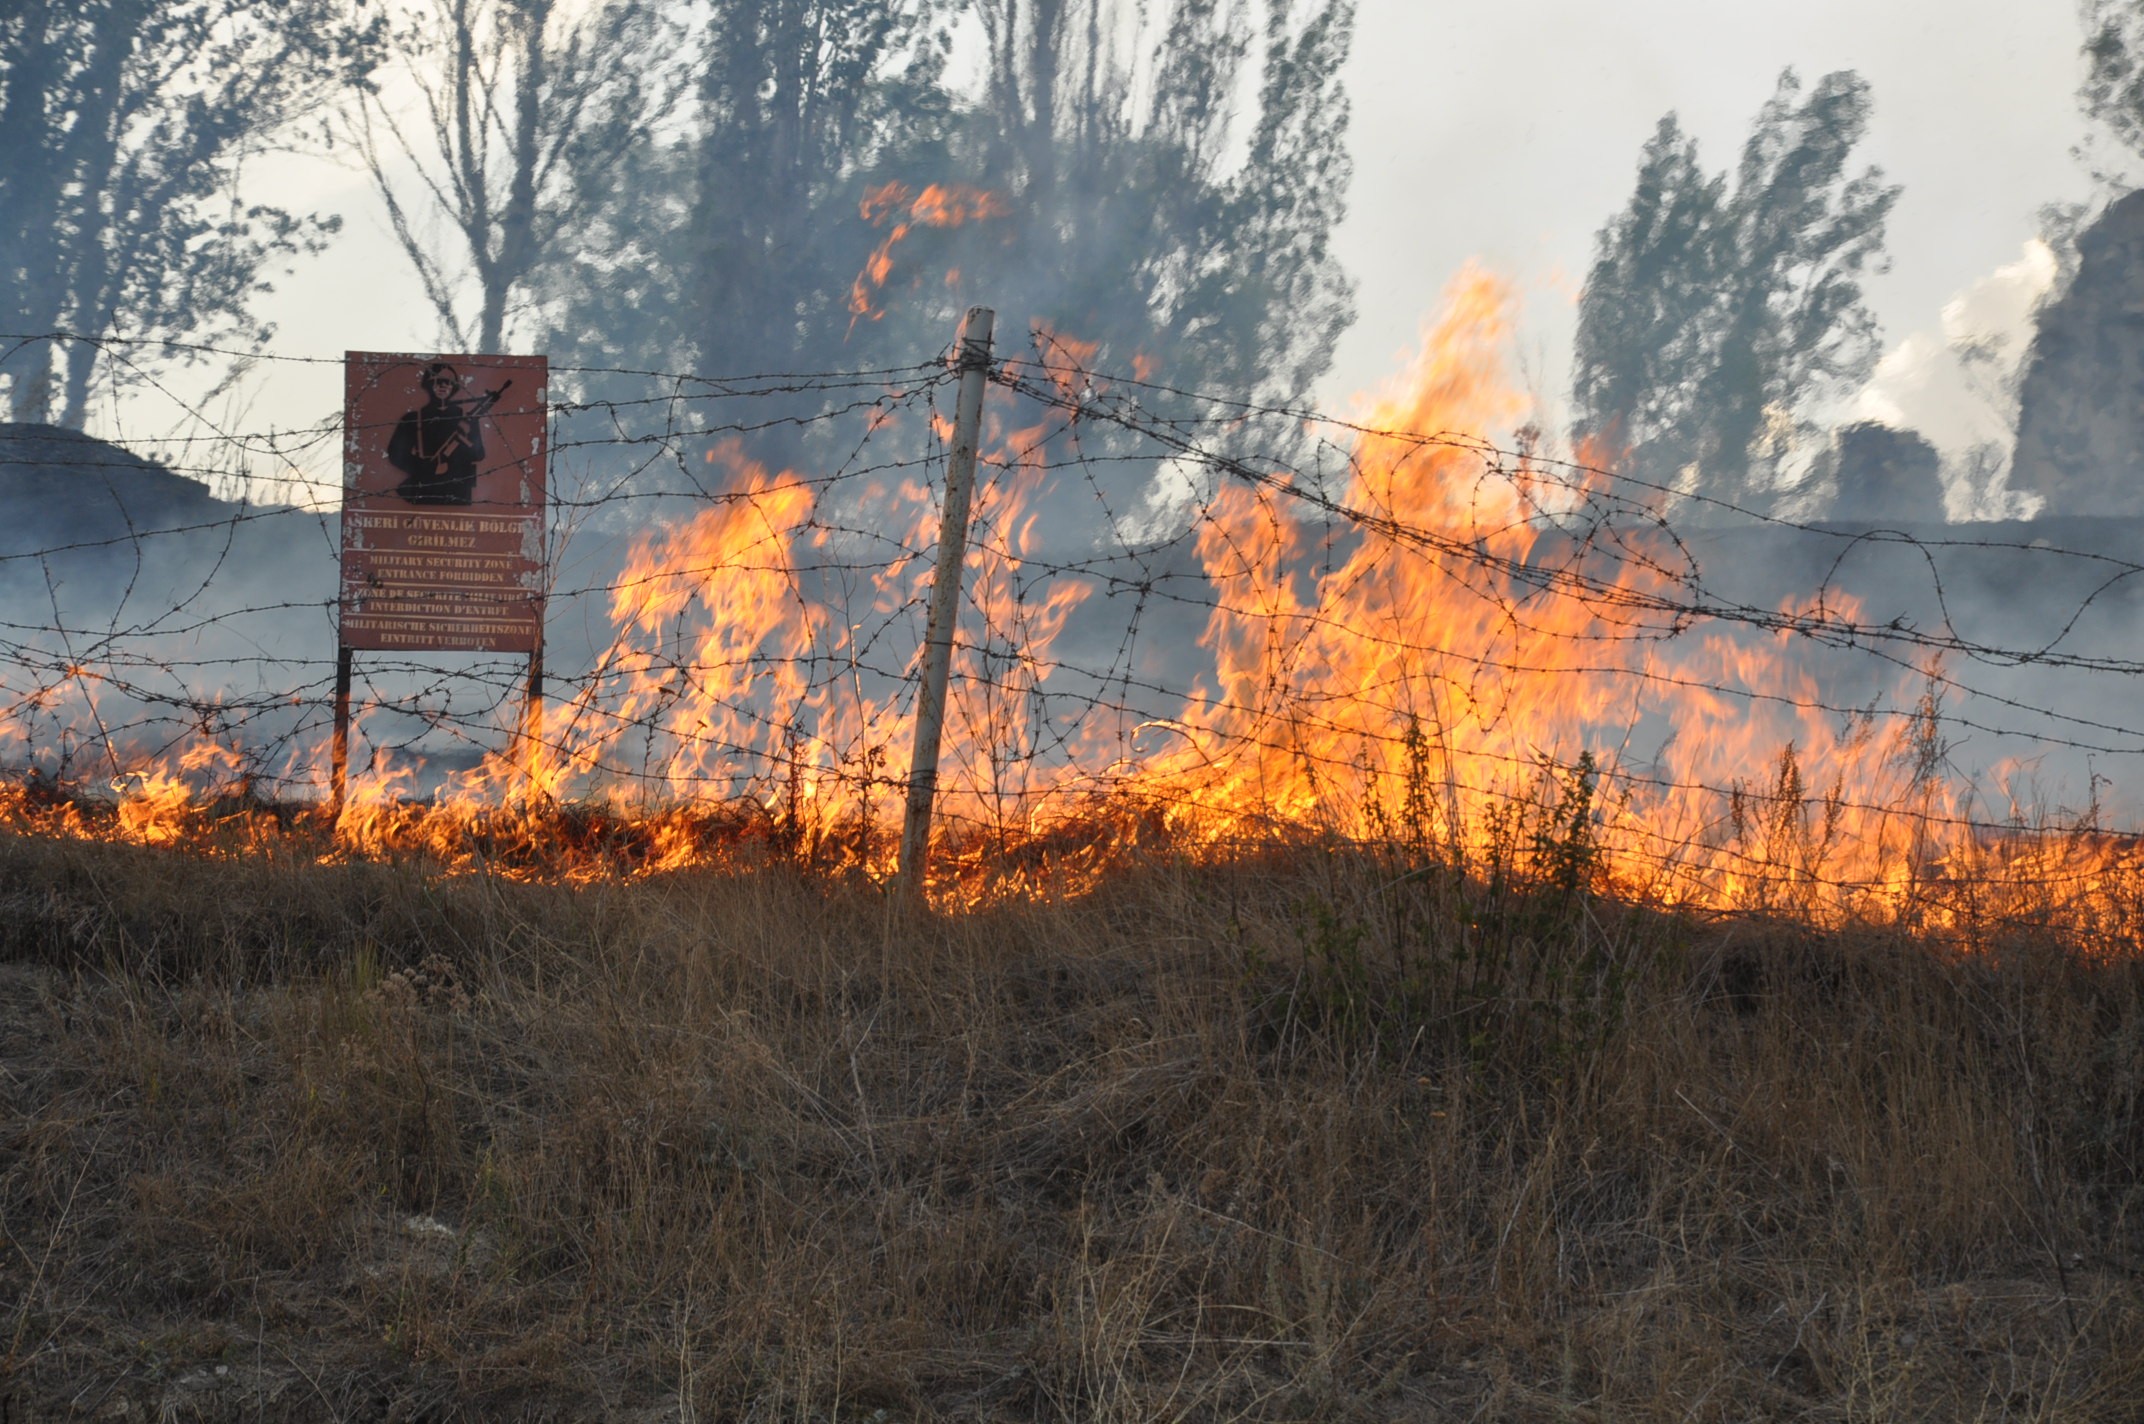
1958	385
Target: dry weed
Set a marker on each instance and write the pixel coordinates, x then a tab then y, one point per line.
1298	1138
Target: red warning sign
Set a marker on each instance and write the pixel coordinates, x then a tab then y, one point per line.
443	502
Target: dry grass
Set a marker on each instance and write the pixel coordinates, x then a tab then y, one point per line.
1318	1136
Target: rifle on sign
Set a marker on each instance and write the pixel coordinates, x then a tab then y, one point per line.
478	409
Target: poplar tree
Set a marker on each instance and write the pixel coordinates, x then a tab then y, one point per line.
1721	308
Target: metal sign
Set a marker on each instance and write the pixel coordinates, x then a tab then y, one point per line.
443	502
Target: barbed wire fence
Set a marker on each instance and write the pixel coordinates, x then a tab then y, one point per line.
1244	617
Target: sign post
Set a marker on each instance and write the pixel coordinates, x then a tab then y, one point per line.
442	514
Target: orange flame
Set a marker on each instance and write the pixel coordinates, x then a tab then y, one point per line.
1411	677
939	205
1432	689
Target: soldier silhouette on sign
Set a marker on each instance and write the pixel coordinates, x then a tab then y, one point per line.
439	446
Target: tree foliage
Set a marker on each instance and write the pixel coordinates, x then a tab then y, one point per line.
1099	181
123	127
1721	307
804	107
492	119
1152	217
2113	88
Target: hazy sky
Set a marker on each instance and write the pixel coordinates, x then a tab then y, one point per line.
1508	133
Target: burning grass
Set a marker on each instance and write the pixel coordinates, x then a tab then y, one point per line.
1317	1132
1493	657
1320	1051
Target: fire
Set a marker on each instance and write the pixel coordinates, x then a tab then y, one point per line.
1439	692
741	709
1451	663
899	210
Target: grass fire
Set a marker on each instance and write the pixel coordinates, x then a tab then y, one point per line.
1394	1024
845	786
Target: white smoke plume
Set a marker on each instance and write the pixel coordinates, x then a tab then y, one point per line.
1958	385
